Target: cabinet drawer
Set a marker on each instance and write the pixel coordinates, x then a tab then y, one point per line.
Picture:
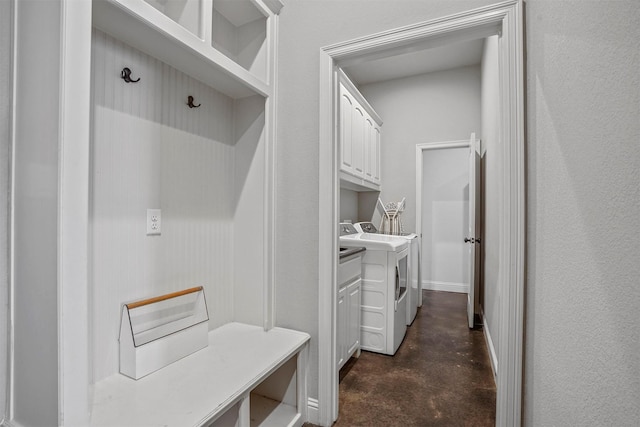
349	269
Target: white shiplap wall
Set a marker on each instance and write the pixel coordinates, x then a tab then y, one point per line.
149	150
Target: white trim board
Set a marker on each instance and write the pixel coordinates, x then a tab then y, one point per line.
433	285
492	350
503	19
313	415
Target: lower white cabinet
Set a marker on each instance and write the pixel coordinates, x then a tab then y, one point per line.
348	310
353	317
341	336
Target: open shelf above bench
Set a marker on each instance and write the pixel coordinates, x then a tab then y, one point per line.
223	43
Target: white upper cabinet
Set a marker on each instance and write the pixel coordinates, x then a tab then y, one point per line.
223	43
360	134
368	136
346	140
374	150
359	131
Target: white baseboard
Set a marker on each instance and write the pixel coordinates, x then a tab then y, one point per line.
462	288
492	349
313	414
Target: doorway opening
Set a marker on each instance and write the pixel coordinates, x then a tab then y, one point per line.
452	213
442	198
504	20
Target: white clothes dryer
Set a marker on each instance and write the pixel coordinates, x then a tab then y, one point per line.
414	292
384	288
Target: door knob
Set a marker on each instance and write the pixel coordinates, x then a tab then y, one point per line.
469	240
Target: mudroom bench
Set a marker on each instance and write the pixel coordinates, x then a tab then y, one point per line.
246	376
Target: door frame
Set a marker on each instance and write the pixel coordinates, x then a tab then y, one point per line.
502	19
420	149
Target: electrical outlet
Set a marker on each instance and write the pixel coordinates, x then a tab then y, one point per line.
154	222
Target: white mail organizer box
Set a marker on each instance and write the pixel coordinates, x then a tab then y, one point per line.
158	331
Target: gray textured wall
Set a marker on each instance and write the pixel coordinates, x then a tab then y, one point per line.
434	107
581	353
583	119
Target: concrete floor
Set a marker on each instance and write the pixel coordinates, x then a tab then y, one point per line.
440	376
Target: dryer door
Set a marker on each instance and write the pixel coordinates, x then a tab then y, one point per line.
401	277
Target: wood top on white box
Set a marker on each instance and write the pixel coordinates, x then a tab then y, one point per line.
201	386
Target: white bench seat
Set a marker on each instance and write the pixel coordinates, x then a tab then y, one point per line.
203	386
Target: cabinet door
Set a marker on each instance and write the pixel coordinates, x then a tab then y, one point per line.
359	136
358	140
375	154
341	327
369	144
346	131
353	329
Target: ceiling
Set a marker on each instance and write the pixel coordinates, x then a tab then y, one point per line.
455	55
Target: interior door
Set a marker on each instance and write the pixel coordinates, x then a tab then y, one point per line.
472	238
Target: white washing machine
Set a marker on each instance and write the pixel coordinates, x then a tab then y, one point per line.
414	295
384	288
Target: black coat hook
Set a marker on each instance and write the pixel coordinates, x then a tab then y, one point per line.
190	102
126	76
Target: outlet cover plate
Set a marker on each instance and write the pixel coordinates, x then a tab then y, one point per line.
154	222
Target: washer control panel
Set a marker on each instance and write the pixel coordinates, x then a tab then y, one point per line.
368	227
347	228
